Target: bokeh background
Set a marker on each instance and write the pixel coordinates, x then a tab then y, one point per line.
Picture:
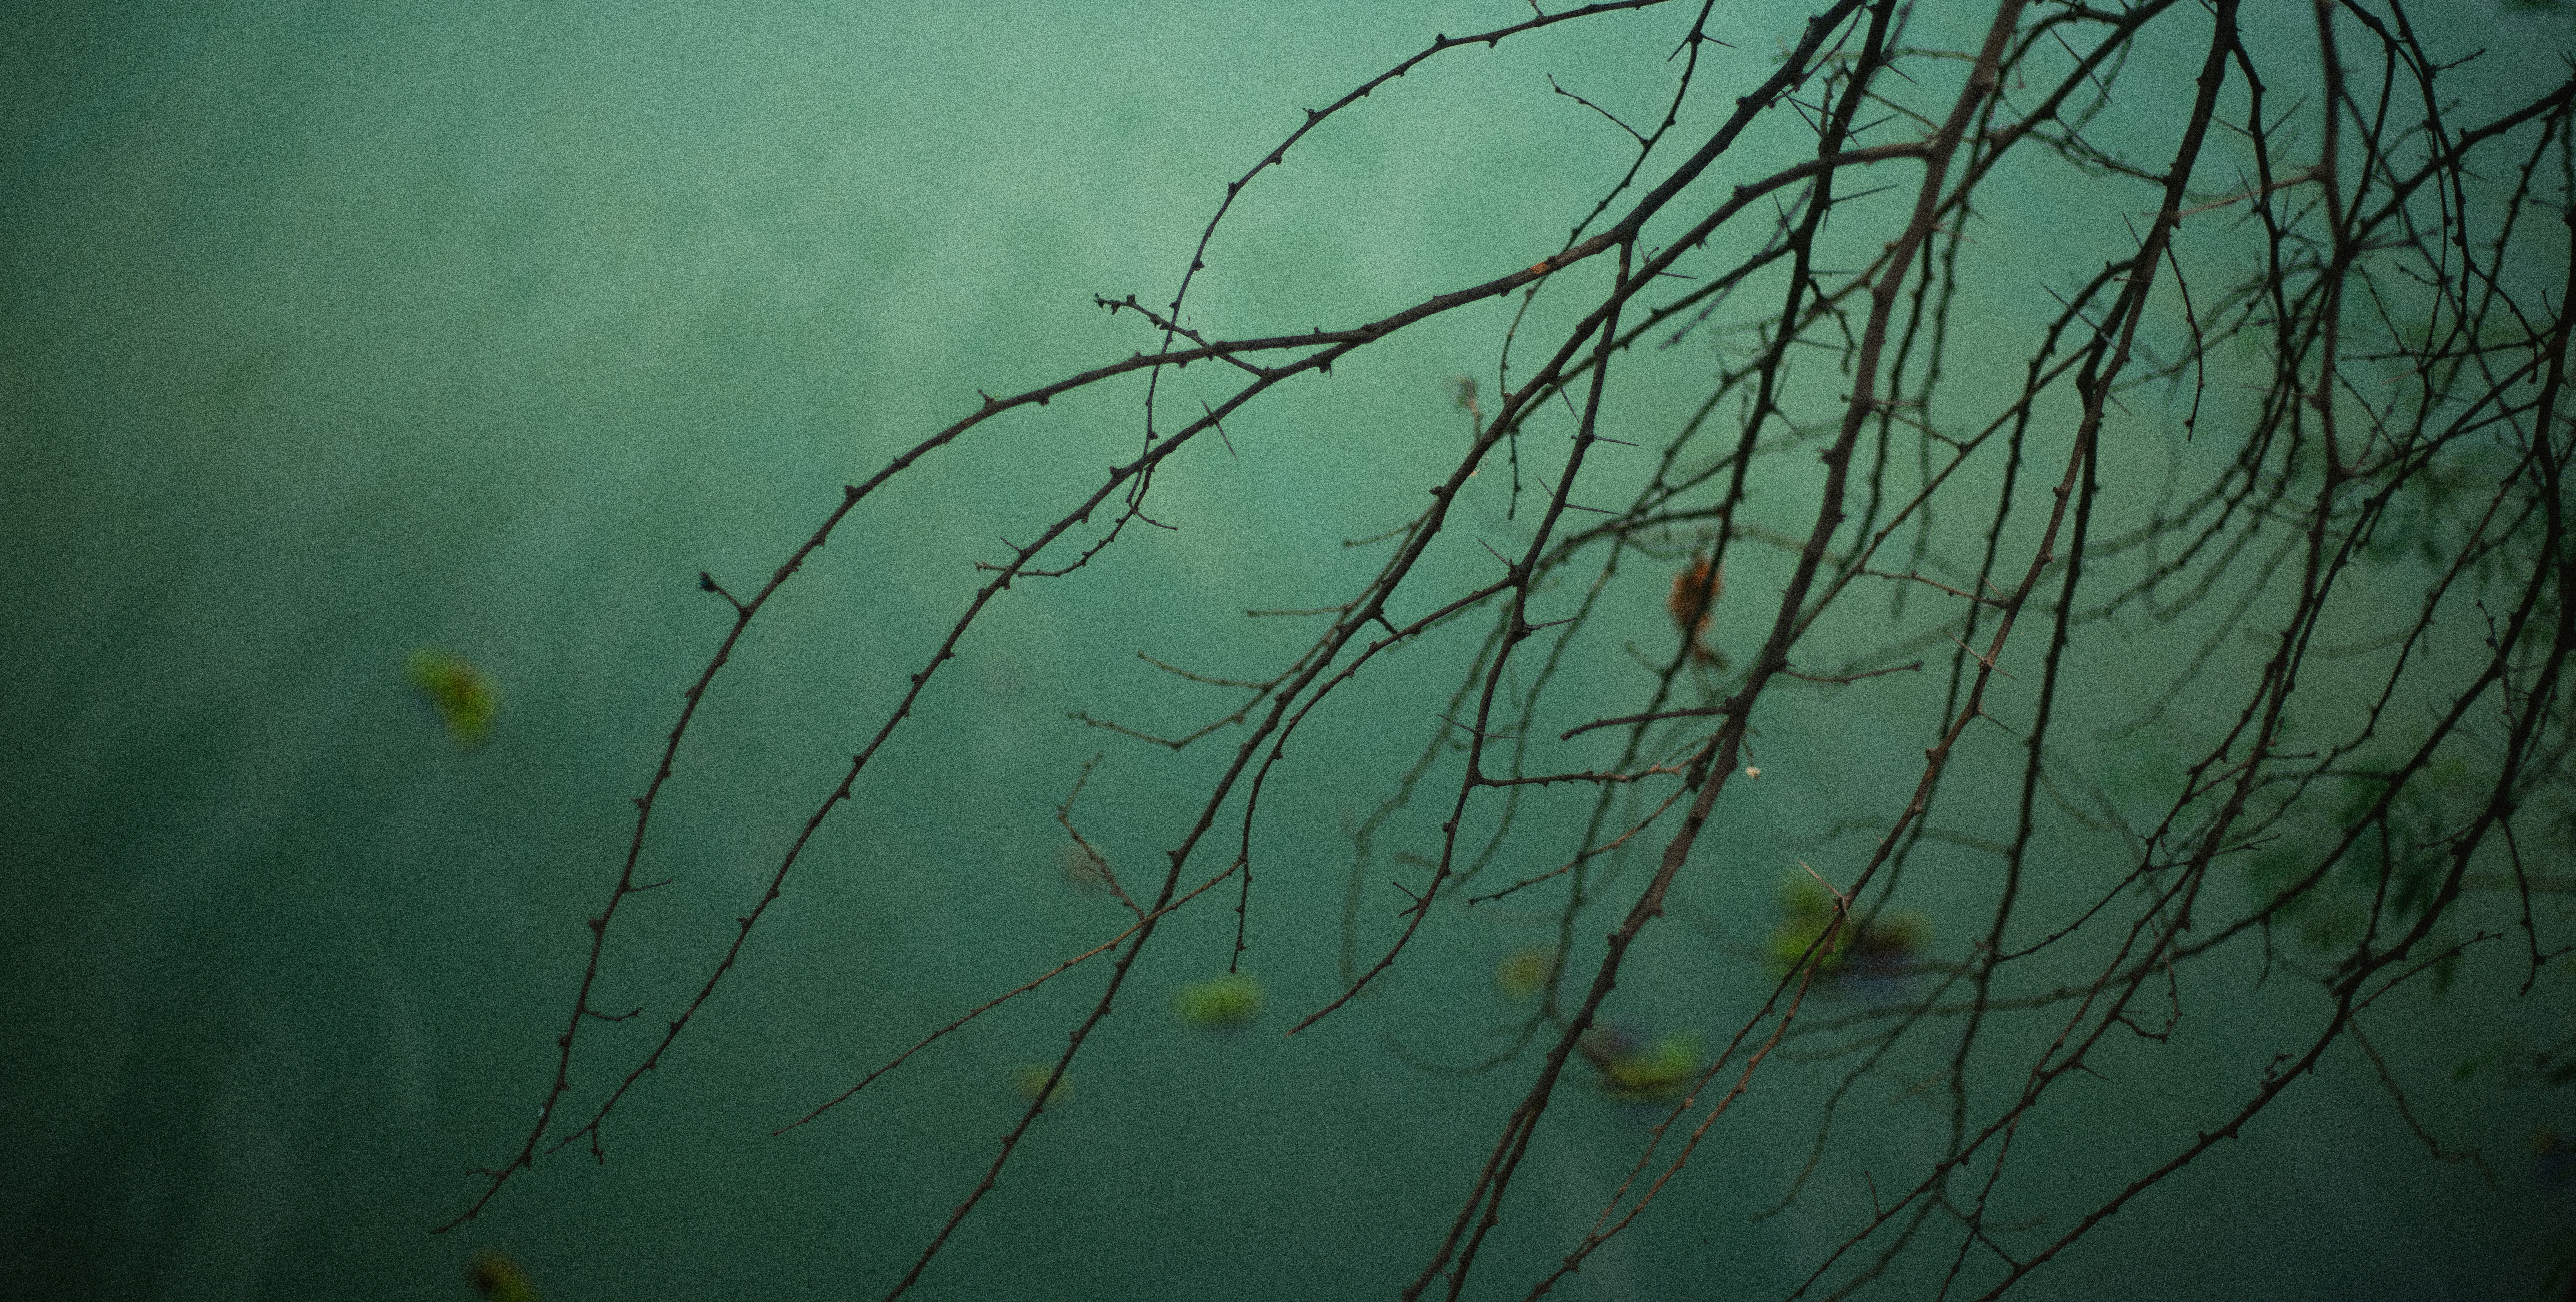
329	332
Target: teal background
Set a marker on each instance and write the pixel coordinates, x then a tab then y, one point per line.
330	331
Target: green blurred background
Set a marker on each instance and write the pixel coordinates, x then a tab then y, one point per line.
328	332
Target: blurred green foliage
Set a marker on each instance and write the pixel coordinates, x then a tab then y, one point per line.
1220	1003
464	696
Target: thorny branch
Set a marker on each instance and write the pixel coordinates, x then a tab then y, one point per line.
2363	443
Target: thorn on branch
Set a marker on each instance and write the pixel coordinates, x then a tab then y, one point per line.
1488	736
1987	662
1220	430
